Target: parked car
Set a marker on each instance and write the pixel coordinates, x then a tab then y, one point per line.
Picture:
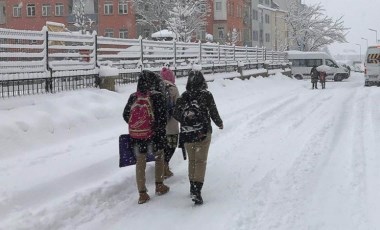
302	62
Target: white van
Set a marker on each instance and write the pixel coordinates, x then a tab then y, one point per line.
302	62
372	66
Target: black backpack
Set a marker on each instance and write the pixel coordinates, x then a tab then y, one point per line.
194	121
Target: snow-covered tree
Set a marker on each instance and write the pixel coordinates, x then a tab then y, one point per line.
310	29
153	12
232	37
188	16
82	22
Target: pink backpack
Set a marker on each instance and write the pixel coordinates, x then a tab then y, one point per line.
141	118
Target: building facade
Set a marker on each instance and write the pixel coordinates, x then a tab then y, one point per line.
268	25
33	14
116	19
107	17
227	23
240	22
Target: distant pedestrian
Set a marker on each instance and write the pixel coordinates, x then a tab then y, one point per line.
322	78
194	109
146	118
172	129
314	75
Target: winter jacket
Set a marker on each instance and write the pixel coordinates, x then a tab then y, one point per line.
322	76
314	74
172	125
196	87
149	81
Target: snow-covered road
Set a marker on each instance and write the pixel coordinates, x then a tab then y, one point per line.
288	158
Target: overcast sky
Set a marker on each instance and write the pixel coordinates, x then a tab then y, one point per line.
358	16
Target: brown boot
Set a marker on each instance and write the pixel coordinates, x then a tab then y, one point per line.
161	189
144	197
167	172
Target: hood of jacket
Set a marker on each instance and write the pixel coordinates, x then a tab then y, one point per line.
196	81
148	81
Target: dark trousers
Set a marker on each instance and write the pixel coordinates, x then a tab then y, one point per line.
323	84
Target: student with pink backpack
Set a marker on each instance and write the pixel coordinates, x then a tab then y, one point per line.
172	127
147	118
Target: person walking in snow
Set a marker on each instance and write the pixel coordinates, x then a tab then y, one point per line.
153	136
193	110
314	75
322	79
172	129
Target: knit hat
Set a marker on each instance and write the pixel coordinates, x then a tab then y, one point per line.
167	74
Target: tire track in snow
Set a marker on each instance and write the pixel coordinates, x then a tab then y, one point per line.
280	211
371	146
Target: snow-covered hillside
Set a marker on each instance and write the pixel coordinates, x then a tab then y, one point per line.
288	158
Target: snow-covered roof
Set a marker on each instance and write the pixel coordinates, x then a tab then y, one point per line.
296	54
164	33
269	8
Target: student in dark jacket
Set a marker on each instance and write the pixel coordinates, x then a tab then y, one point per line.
150	82
314	75
196	89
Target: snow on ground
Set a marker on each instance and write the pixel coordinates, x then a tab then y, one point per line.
288	158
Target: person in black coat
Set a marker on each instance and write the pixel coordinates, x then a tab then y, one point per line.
196	90
314	75
150	82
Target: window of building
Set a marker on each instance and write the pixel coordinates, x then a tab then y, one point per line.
267	18
46	10
108	8
218	6
123	33
221	32
59	9
146	7
16	11
267	37
123	7
232	9
255	15
267	2
255	35
261	1
201	34
203	8
31	10
108	33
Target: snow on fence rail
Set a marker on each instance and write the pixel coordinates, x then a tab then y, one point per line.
44	51
35	61
22	52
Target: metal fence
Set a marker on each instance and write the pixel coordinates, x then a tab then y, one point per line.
34	62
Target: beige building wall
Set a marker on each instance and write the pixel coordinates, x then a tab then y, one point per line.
279	31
